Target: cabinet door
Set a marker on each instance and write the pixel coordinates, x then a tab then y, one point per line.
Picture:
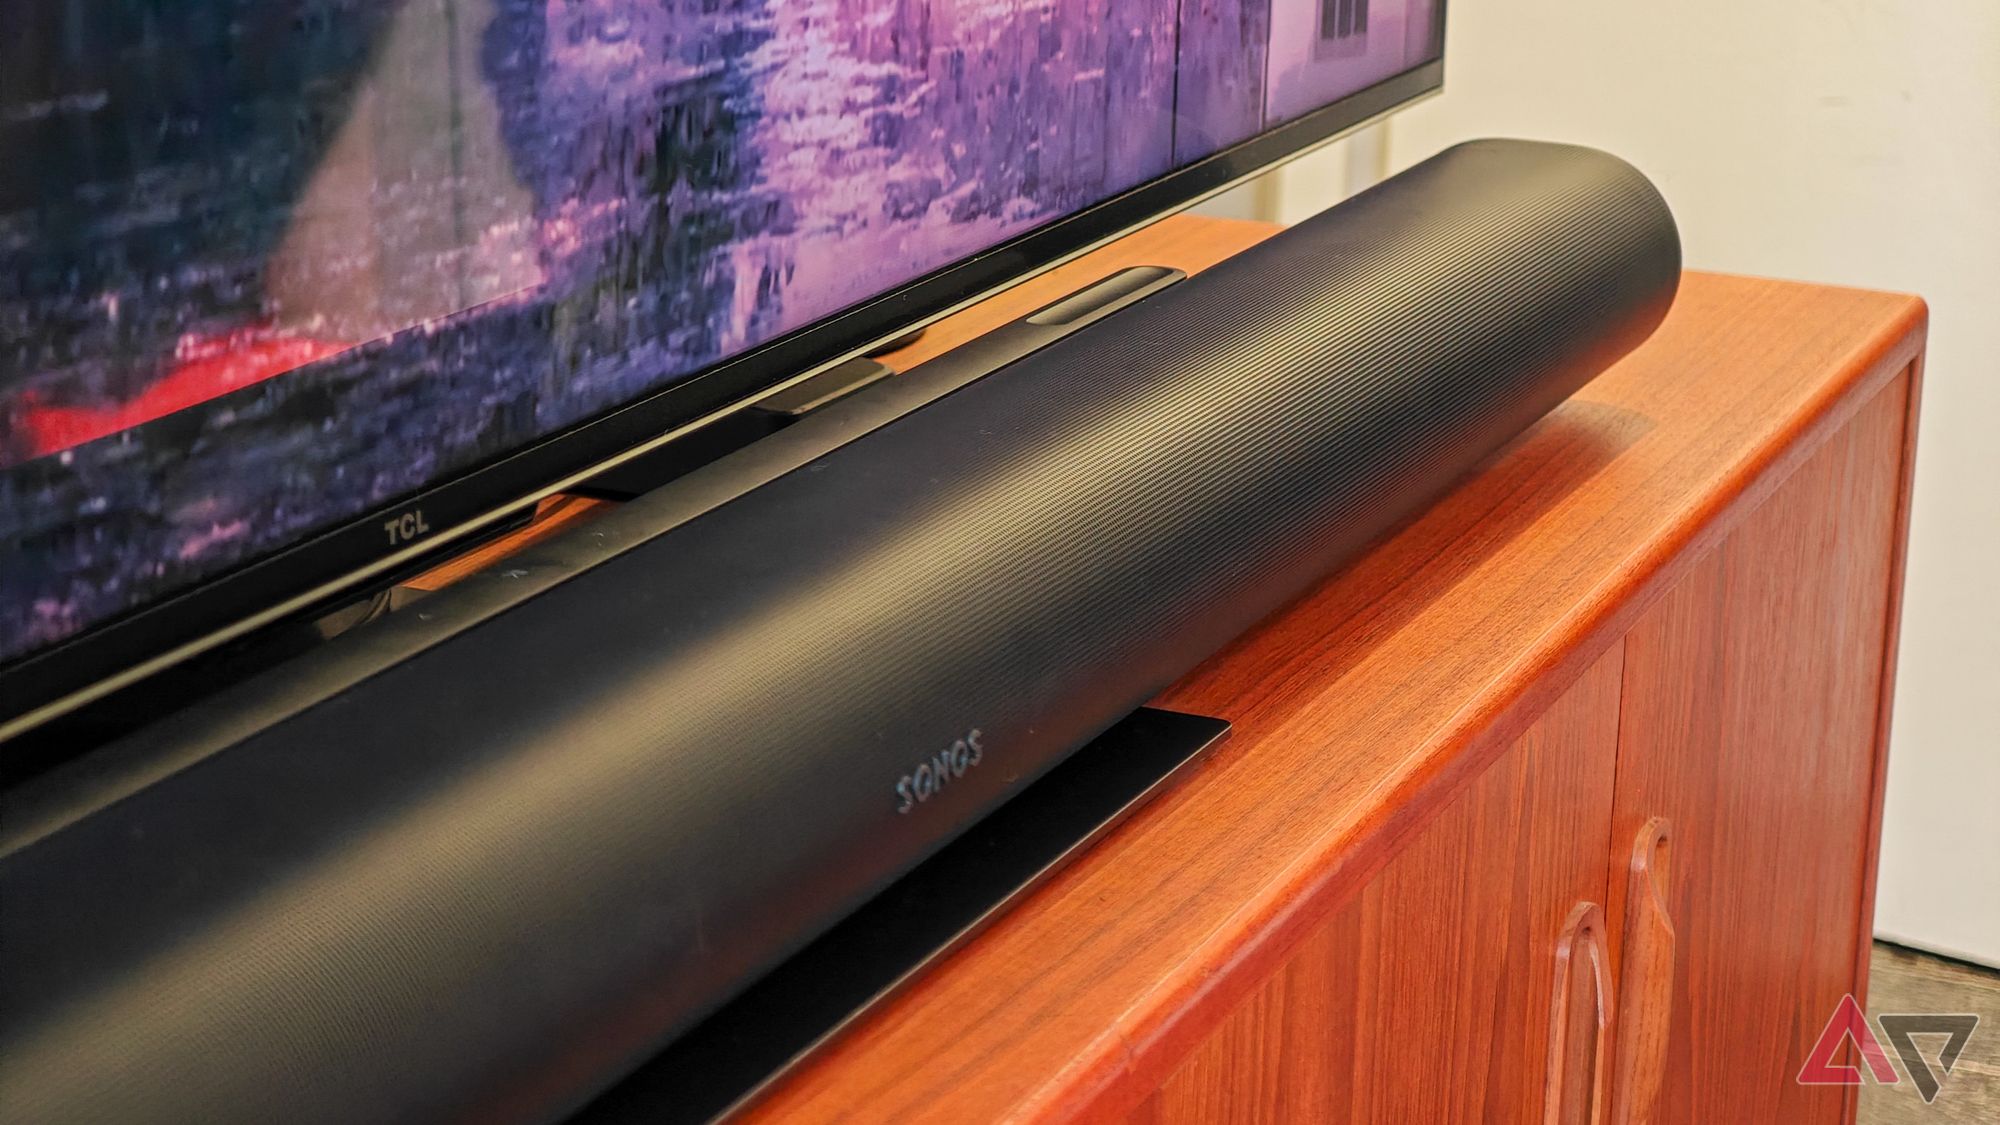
1428	998
1752	711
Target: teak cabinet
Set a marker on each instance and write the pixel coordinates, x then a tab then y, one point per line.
1669	865
1560	805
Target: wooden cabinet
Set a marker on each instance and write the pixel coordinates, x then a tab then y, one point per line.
1710	781
1559	805
1752	702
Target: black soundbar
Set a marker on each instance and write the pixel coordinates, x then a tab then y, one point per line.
482	860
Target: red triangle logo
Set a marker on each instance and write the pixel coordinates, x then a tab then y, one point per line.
1848	1021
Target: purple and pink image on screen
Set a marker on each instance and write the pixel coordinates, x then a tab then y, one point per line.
267	264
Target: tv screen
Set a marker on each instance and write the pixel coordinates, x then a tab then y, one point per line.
272	269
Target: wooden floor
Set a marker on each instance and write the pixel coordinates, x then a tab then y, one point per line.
1901	980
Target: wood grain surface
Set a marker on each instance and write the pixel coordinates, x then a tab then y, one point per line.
1646	974
1886	693
1579	1042
1364	709
1750	709
1372	1019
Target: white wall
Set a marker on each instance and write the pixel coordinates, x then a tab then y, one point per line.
1843	141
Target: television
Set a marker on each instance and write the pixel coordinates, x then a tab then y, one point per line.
293	292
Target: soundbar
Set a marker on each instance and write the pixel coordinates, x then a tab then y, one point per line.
483	858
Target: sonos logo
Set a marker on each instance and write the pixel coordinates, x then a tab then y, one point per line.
924	782
406	527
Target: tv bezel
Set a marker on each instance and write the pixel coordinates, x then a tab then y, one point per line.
355	553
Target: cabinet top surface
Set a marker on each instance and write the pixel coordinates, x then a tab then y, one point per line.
1369	701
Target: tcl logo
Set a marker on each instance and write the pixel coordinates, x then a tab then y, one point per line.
406	527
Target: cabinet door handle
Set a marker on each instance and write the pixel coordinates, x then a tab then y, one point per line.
1579	1022
1645	980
